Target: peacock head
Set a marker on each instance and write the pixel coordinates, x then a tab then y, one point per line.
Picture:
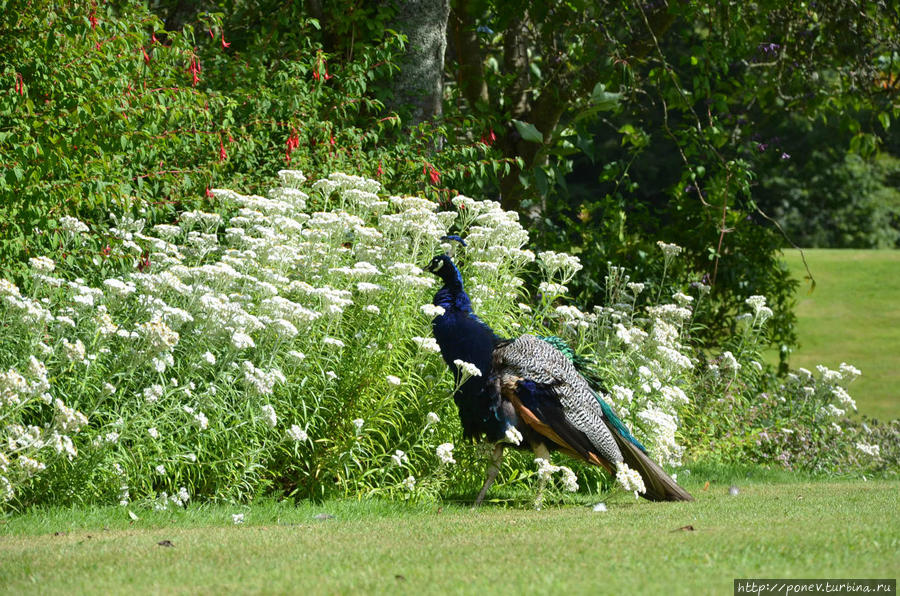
443	267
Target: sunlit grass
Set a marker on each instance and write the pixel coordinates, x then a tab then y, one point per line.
853	315
772	529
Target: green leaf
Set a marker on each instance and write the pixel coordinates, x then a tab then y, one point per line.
603	99
528	131
885	120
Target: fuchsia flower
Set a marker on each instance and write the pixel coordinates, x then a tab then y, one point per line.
194	69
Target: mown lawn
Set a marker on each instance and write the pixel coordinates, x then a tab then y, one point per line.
853	316
804	529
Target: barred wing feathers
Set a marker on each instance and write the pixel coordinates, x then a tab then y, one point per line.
553	399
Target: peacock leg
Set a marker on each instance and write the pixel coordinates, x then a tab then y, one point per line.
492	471
541	451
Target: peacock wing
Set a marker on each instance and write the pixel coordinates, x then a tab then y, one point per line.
553	399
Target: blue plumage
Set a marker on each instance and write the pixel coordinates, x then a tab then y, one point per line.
463	336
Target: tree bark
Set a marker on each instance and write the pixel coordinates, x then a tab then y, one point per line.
420	83
470	77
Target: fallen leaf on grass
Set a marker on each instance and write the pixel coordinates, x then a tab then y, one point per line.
165	543
687	528
399	578
706	486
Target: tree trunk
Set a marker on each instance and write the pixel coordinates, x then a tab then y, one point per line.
420	83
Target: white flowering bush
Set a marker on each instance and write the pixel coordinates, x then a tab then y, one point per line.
283	343
280	341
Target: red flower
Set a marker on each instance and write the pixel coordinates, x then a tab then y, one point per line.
93	19
106	250
292	143
153	38
225	44
20	84
222	154
209	193
194	69
144	262
211	34
331	140
380	170
146	56
435	176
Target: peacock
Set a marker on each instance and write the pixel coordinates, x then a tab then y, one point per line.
529	394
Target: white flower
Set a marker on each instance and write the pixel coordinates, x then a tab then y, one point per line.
843	397
161	470
72	225
432	310
201	421
730	362
237	518
153	432
432	418
399	458
636	288
268	412
209	357
629	479
848	371
391	379
364	287
429	344
358	423
330	341
513	435
373	308
297	434
75	352
545	469
600	508
552	289
241	340
570	480
409	483
152	393
298	356
467	368
870	450
42	264
444	453
669	250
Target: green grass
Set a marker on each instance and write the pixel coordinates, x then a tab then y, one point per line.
852	316
770	529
